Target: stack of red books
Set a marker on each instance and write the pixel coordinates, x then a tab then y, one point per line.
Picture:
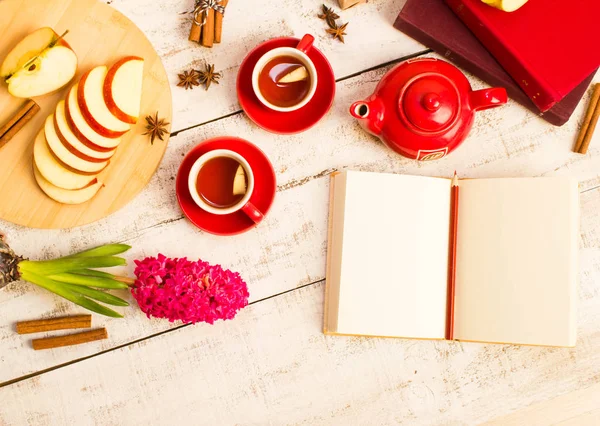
545	54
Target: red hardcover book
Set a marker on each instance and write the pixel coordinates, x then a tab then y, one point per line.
432	23
547	46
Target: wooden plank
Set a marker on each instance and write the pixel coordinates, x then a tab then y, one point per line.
282	265
288	250
274	363
591	418
248	23
579	407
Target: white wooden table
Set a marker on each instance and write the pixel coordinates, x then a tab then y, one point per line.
272	364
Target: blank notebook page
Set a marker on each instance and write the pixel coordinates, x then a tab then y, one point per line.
516	277
393	261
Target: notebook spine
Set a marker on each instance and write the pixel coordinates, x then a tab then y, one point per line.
454	197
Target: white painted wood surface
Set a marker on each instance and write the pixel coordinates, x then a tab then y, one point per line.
272	365
371	41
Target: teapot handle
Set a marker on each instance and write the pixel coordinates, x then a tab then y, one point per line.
488	98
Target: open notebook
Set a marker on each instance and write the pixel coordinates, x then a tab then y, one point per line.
515	271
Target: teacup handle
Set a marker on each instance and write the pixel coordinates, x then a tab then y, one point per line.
306	43
253	213
488	98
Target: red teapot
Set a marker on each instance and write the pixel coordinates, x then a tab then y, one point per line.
424	108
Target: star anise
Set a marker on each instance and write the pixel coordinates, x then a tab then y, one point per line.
156	127
338	32
329	16
189	79
209	76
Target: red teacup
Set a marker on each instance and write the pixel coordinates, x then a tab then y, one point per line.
243	204
300	53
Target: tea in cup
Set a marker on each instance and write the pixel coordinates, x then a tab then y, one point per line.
285	79
221	182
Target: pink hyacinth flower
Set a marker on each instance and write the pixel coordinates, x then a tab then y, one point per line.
191	292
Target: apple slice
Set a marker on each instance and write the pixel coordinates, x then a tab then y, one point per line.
66	196
53	170
65	156
239	182
82	129
90	97
72	143
123	89
50	64
506	5
298	74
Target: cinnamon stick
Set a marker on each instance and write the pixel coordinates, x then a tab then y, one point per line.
590	131
219	23
208	29
18	121
70	339
52	324
589	122
196	32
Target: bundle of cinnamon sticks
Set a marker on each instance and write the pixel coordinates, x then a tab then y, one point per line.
18	121
212	29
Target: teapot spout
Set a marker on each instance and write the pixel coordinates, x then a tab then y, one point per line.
360	110
370	114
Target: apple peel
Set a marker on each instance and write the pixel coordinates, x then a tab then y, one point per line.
72	142
123	89
82	129
90	97
65	155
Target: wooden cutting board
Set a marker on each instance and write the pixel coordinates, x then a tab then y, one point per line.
99	35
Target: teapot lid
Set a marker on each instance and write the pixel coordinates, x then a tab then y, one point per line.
430	102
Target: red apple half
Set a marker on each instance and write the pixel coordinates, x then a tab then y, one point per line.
65	155
82	129
53	171
90	97
123	89
72	143
51	64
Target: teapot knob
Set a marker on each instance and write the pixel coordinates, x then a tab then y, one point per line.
431	102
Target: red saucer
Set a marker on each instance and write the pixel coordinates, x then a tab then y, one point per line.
265	185
286	123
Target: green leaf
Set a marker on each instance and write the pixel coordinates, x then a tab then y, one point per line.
88	281
58	266
93	273
98	295
107	250
59	289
